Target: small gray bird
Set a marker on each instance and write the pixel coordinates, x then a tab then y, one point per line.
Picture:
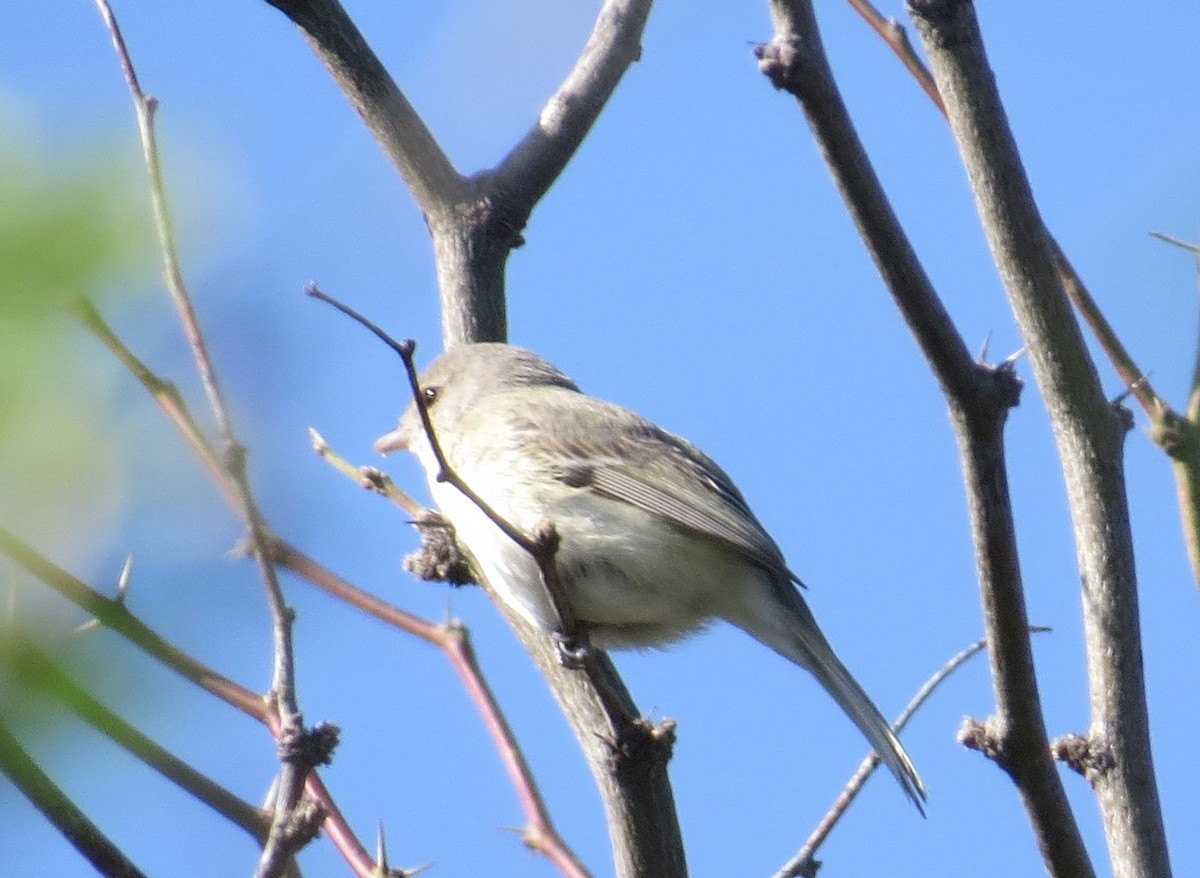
655	539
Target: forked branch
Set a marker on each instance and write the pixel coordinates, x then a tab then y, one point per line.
979	396
1088	430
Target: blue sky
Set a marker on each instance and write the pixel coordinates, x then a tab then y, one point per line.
692	263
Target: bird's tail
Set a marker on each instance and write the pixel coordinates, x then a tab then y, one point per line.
799	640
850	696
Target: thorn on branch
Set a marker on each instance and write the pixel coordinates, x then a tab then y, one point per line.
1123	413
123	581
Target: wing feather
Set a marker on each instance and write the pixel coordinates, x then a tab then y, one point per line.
652	469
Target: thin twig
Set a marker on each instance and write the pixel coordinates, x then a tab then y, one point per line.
804	863
283	840
366	476
896	36
542	546
1178	242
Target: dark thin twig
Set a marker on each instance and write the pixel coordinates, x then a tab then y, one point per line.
542	547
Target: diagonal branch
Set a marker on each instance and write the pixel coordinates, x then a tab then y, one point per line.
19	767
357	70
115	615
893	33
527	173
31	663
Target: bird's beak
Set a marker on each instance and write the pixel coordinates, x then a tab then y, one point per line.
396	440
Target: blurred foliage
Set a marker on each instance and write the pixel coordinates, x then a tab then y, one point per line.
69	227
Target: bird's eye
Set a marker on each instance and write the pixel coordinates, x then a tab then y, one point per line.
430	394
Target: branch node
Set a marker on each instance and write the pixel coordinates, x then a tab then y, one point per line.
1083	755
302	824
982	737
777	60
440	558
309	748
642	747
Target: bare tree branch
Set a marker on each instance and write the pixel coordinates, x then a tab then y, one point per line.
1088	430
114	614
1178	435
979	397
893	33
795	62
290	827
405	140
527	172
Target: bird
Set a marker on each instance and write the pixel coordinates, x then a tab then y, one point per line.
654	539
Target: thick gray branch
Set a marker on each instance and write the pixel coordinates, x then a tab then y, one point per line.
1089	432
979	398
534	164
475	223
362	77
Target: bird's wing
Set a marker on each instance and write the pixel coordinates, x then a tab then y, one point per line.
655	471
